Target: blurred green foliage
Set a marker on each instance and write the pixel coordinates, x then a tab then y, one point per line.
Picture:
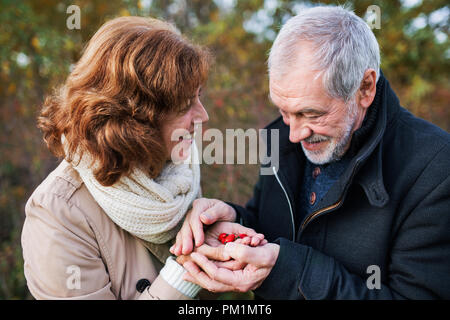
37	50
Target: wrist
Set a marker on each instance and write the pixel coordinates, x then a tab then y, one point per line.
172	273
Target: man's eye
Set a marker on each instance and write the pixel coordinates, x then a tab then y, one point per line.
310	115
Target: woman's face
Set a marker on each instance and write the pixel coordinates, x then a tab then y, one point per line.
178	130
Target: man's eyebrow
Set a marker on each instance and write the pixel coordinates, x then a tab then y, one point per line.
310	110
303	110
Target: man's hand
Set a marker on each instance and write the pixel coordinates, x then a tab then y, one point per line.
204	211
259	262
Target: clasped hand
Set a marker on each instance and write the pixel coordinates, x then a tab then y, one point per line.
239	266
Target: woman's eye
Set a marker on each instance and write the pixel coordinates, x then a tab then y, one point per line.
186	108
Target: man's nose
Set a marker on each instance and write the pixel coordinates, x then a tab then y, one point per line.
298	131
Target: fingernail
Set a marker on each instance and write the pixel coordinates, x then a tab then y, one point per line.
205	216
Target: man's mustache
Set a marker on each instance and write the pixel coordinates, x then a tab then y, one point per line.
315	138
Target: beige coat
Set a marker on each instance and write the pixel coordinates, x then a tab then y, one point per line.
73	250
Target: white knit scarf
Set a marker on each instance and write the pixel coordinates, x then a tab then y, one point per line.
150	209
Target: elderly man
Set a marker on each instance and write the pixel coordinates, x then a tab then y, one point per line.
359	207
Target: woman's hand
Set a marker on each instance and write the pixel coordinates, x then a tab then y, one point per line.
257	265
204	211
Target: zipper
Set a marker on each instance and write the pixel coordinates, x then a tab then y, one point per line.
314	214
289	202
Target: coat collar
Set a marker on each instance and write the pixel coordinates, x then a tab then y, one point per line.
370	176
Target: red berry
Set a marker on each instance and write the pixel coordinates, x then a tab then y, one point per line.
242	235
222	236
230	238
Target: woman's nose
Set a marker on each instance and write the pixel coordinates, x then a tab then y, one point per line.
201	114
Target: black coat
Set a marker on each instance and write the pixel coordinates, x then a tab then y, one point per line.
390	208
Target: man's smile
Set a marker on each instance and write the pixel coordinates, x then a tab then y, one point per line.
313	146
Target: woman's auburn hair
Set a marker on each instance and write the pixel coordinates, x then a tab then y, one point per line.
133	74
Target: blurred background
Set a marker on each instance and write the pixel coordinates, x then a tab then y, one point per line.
37	50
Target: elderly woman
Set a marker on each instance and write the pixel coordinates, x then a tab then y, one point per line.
101	224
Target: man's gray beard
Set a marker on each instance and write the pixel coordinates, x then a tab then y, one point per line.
336	152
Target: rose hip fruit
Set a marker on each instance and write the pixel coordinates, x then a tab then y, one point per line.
230	238
222	236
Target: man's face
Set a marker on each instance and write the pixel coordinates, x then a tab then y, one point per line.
323	125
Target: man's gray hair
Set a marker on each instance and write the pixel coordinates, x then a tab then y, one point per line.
345	48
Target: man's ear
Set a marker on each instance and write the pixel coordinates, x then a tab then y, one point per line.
368	88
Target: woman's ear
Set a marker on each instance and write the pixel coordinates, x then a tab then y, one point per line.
368	88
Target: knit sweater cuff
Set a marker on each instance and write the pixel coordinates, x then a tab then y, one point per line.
172	272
